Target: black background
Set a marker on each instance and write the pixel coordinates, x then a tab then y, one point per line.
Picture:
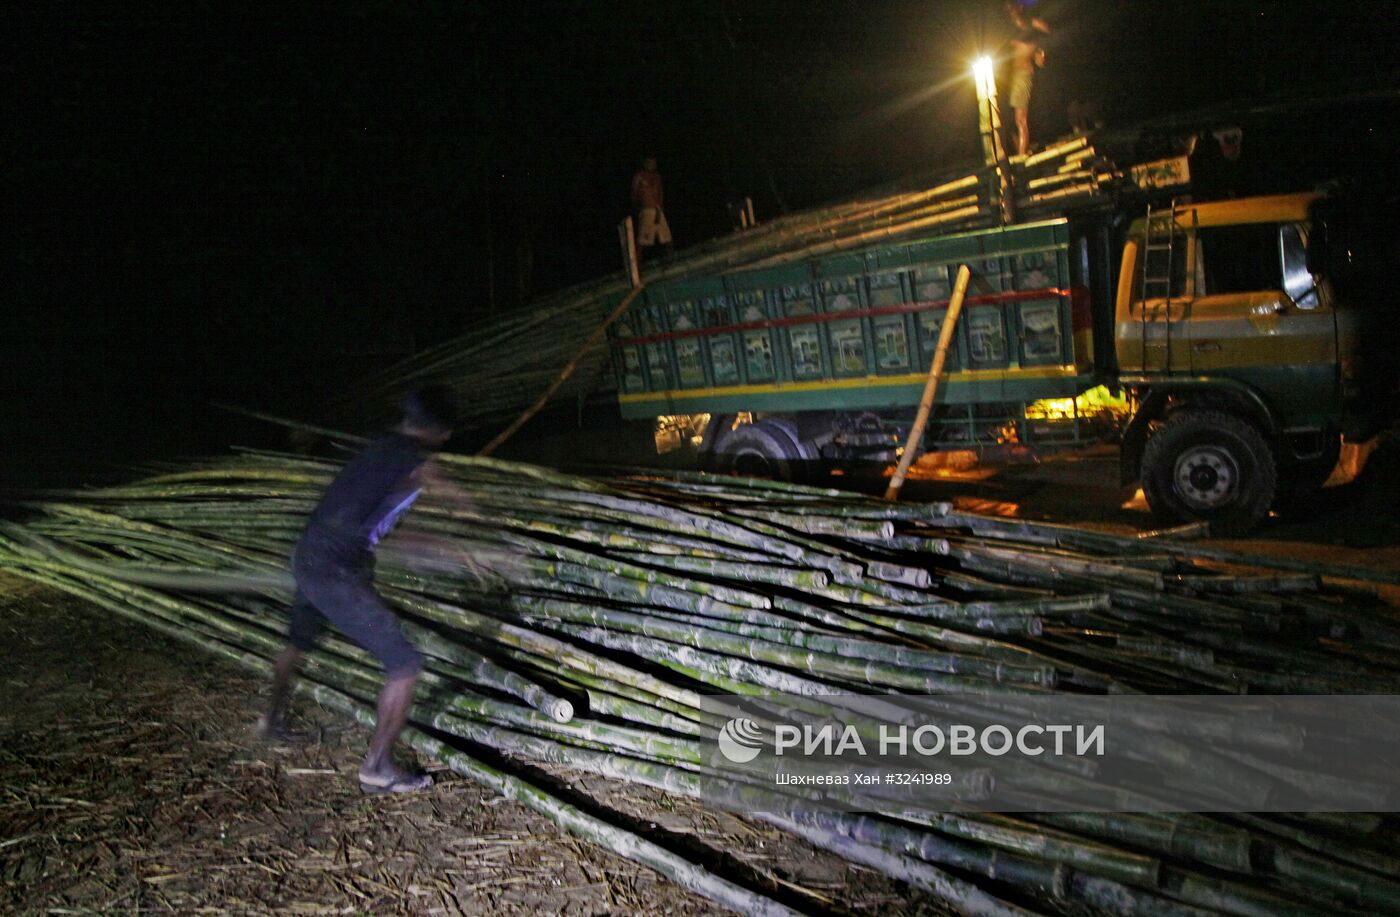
256	202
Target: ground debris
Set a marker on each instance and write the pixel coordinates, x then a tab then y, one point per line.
132	784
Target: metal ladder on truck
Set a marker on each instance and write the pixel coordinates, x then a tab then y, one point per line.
1162	221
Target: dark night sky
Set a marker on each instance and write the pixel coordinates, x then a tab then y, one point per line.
244	201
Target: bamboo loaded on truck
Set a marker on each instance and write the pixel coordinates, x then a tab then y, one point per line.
1217	321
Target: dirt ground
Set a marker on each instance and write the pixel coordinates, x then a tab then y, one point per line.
130	784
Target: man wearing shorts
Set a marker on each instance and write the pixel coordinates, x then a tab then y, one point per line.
648	199
334	568
1027	56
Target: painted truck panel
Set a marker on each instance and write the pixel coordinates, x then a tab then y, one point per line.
855	330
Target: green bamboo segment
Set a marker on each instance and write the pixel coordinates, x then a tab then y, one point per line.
644	586
482	671
747	571
808	660
966	897
914	577
1102	541
1378	863
877	530
563	653
961	631
891	654
525	604
748	535
1216	845
1007	834
701	663
614	696
980	615
605	703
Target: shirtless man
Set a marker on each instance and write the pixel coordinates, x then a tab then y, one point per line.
648	198
1026	57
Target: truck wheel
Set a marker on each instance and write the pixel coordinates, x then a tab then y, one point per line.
1209	467
764	450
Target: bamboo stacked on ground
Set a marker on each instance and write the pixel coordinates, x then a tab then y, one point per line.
500	365
622	613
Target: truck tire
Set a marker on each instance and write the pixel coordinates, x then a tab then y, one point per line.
1205	466
764	450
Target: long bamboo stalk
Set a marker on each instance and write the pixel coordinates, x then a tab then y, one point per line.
564	374
940	355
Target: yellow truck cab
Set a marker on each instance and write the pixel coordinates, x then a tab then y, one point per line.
1236	353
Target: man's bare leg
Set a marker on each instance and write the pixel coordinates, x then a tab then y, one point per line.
1023	131
379	773
274	723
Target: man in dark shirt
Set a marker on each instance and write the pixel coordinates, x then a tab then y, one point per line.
334	568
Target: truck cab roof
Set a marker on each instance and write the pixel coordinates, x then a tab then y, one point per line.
1273	208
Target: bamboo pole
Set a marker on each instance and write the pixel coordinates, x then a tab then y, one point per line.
564	373
940	354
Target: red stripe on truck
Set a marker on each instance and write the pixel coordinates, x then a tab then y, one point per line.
901	309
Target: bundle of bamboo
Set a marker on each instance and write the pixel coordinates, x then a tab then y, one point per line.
621	612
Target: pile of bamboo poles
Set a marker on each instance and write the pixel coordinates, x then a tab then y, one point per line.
1062	175
499	365
617	614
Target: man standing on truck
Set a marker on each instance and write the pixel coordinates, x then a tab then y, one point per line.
648	200
1027	56
334	568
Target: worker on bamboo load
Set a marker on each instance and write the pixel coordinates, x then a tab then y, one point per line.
334	568
1027	56
648	200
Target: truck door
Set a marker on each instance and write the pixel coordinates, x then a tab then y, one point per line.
1260	317
1152	334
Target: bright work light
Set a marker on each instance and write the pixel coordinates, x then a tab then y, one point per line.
982	69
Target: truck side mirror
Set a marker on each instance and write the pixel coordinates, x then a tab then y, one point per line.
1320	219
1298	280
1317	249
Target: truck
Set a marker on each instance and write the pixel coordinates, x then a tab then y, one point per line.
1203	337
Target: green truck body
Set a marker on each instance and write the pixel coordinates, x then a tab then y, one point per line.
856	331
